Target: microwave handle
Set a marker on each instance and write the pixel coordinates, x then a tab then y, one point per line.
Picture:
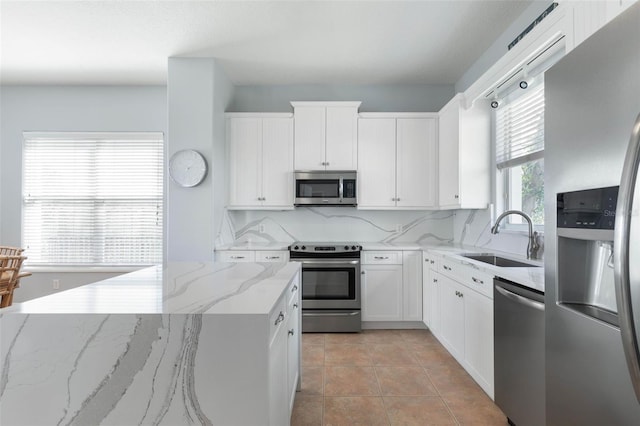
341	188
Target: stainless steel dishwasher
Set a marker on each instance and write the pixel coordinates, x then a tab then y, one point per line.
519	352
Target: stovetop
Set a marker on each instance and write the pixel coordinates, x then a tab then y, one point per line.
324	247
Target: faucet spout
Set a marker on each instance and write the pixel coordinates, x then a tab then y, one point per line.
532	246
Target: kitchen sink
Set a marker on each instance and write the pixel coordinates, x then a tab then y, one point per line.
492	259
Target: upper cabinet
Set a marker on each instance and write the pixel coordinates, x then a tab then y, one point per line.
326	135
464	155
397	161
260	148
587	17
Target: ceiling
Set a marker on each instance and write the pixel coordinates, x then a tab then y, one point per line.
257	42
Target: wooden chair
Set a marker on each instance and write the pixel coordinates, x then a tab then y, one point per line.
9	277
10	251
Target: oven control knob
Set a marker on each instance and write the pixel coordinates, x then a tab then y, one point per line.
296	248
304	247
346	247
353	248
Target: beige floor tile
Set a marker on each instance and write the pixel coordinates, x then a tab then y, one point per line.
435	357
351	411
350	381
312	381
307	411
382	336
417	410
344	338
475	409
404	381
313	338
418	337
449	381
393	354
312	355
346	355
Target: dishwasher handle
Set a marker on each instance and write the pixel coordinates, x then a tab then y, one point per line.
520	299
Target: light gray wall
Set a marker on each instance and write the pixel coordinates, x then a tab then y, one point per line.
198	93
64	108
397	98
500	45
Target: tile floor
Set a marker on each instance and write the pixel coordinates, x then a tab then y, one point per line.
387	377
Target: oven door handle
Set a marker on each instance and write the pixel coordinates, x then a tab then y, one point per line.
326	263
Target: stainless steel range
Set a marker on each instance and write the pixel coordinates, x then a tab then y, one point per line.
330	286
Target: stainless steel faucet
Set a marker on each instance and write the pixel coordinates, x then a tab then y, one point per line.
533	246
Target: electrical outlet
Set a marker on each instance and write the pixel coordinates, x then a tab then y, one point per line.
56	284
261	228
398	227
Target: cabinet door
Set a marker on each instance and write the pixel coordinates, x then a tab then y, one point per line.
478	327
427	293
382	292
245	161
412	285
452	317
416	162
277	161
342	138
376	162
448	143
278	395
309	130
293	353
435	314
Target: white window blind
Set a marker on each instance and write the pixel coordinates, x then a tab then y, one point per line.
92	199
519	128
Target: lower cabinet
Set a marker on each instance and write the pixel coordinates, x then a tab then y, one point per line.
392	285
278	393
452	321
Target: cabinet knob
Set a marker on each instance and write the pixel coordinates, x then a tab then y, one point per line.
295	305
435	280
456	196
280	318
397	199
295	287
362	272
291	332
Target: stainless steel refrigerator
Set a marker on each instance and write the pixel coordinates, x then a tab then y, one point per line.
592	230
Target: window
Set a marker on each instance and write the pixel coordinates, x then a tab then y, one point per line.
519	135
92	199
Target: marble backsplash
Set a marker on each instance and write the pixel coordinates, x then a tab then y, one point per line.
337	224
467	227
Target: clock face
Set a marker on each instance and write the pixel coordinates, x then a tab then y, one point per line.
187	168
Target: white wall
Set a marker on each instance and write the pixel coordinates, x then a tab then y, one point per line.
198	93
64	108
389	98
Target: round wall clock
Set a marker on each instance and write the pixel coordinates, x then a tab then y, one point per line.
187	168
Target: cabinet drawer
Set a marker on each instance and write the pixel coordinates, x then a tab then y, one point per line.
272	256
431	261
468	276
277	318
236	256
382	258
451	269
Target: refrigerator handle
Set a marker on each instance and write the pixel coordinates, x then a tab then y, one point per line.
621	258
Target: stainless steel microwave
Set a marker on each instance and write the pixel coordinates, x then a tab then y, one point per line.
325	188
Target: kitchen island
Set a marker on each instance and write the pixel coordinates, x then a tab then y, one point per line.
187	343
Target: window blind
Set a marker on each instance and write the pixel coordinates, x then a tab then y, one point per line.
93	199
519	127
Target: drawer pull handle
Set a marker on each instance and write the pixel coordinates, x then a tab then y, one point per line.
294	288
381	257
237	257
280	318
446	268
295	306
291	332
435	280
273	257
433	261
476	280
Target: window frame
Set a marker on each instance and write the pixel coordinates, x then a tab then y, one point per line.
50	265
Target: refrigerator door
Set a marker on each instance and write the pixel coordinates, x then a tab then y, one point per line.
592	98
627	257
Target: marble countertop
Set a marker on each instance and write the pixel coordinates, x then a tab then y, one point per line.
178	287
529	277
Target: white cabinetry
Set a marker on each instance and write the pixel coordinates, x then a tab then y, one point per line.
464	155
260	161
397	161
326	135
589	16
463	317
430	292
392	286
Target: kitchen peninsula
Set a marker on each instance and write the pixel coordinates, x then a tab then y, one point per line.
187	343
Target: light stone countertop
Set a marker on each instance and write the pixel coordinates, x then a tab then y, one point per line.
176	288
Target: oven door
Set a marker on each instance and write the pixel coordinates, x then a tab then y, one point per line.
330	284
